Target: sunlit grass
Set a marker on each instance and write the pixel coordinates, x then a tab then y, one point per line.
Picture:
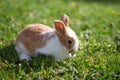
96	23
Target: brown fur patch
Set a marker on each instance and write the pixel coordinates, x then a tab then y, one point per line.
32	38
64	38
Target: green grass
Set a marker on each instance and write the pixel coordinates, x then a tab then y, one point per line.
97	24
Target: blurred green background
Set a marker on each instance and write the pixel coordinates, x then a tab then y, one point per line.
96	22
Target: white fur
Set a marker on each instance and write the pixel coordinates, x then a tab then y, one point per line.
53	47
23	53
71	33
70	55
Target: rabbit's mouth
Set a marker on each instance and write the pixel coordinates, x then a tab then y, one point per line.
72	52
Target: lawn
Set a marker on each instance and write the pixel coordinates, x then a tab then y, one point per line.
96	23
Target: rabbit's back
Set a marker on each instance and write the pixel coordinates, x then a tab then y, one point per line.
32	35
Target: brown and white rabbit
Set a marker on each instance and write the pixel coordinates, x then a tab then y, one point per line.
36	39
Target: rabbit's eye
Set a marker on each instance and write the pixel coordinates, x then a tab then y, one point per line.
69	42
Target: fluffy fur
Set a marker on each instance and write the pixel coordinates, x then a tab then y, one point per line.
35	39
54	47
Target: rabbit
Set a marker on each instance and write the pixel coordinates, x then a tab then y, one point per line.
60	42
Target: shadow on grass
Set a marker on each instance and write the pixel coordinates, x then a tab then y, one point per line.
9	54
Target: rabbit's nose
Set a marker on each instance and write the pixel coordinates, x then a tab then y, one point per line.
73	51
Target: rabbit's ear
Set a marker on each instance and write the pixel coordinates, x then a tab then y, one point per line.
59	26
65	19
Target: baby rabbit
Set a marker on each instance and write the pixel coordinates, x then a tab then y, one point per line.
35	39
